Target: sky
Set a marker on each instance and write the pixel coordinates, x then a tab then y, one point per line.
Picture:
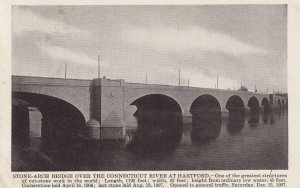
238	44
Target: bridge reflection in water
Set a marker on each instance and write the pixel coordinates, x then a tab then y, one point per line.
162	142
206	127
157	132
47	132
236	122
159	125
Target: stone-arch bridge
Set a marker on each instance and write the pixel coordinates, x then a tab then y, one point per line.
108	107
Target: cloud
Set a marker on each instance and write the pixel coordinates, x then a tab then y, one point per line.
26	21
65	54
200	79
191	39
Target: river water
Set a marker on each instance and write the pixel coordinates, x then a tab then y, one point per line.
254	142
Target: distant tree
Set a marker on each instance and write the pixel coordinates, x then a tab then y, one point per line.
243	88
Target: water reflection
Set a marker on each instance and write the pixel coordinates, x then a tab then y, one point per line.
236	122
157	131
266	117
206	127
59	140
20	125
272	120
157	144
254	118
279	111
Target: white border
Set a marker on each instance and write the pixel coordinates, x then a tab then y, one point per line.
293	77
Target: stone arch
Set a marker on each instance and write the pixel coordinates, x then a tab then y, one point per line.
266	104
157	102
253	104
206	103
132	100
236	108
235	103
206	119
159	119
61	120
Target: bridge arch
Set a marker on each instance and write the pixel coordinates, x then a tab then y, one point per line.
159	119
157	102
236	108
61	120
253	104
266	104
206	103
206	119
132	100
235	103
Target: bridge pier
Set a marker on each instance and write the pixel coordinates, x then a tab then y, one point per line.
20	124
247	109
225	113
107	110
92	129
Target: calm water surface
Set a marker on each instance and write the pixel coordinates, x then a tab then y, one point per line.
255	142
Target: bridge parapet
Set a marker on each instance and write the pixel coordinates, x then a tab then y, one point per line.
26	80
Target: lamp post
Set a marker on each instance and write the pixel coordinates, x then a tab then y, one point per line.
179	77
66	66
98	66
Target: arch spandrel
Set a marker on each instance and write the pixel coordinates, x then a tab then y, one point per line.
45	102
77	96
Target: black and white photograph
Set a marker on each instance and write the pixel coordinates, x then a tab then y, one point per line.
149	87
